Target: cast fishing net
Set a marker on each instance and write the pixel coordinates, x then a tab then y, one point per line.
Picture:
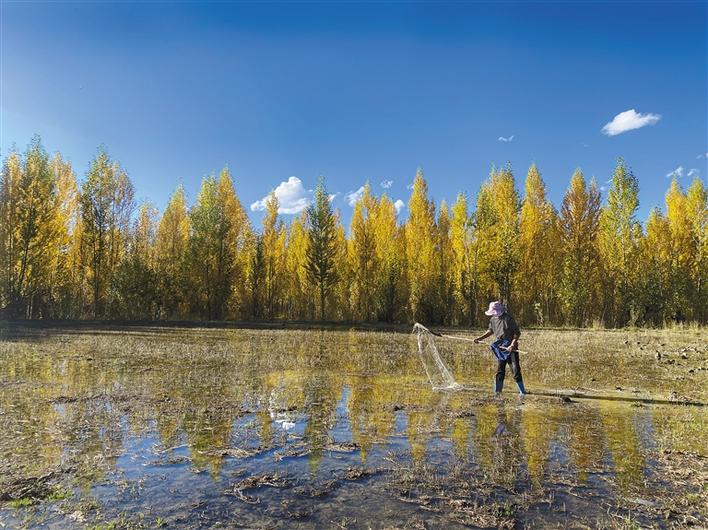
438	374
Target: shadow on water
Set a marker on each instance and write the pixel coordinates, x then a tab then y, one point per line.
316	429
567	395
625	399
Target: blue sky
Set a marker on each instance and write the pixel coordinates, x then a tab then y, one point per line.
359	91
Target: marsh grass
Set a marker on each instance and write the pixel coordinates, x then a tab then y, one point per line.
22	503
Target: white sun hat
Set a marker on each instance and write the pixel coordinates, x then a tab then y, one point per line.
495	309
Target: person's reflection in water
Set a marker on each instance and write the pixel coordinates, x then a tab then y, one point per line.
501	427
499	443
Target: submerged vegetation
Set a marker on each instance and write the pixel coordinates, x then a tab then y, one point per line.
143	427
71	250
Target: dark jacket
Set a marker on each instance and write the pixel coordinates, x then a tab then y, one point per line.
504	326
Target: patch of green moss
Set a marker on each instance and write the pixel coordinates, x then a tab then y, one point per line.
24	502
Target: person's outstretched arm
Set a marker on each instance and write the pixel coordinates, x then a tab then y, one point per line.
482	337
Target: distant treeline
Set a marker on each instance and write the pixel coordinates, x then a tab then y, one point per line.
74	251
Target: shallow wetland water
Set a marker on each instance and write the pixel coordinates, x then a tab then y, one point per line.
198	428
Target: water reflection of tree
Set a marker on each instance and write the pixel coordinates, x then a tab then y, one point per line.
321	397
459	425
623	444
423	414
379	382
59	415
370	409
586	440
200	403
539	426
191	388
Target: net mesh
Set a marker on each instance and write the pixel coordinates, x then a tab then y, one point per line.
436	370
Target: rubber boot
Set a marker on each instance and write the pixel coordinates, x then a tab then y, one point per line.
521	388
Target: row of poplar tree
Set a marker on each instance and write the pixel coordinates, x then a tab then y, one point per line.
70	251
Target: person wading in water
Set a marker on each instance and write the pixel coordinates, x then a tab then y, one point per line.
505	348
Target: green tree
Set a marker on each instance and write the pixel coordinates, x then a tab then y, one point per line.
219	245
106	208
322	245
618	244
134	290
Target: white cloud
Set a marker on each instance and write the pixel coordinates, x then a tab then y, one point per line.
702	155
505	139
603	188
292	196
399	205
353	196
386	184
629	120
678	173
333	196
693	171
410	186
